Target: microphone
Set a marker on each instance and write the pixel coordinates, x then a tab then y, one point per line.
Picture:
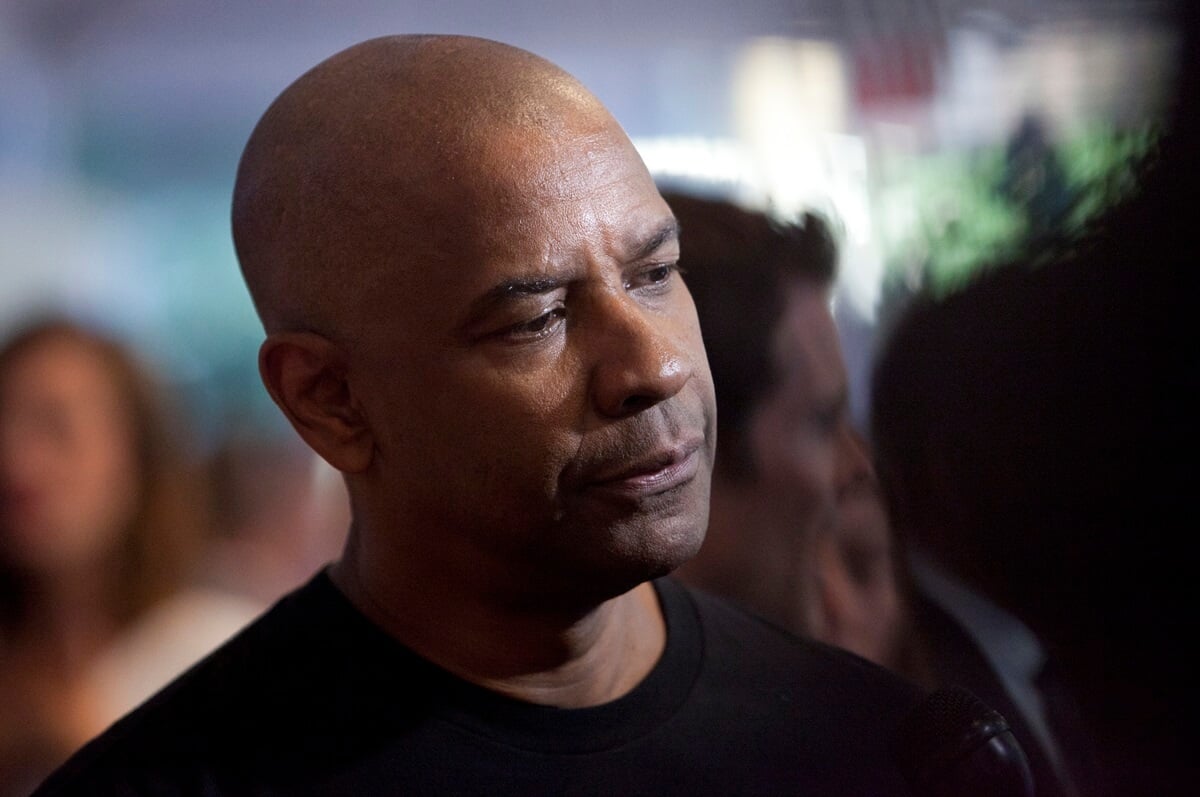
953	745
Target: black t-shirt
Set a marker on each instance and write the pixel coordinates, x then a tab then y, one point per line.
313	698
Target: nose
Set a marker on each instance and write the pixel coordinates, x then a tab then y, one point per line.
854	459
639	357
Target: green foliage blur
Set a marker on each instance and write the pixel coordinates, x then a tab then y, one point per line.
984	207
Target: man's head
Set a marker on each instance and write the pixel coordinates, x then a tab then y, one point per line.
743	268
467	278
792	474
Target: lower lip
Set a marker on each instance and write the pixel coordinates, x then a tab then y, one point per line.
644	485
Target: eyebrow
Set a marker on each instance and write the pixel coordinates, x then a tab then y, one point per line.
519	286
535	286
669	231
510	289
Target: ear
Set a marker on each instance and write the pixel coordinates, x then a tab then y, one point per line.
306	376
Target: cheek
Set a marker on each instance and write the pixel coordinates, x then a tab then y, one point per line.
789	459
106	489
85	499
485	428
692	336
527	420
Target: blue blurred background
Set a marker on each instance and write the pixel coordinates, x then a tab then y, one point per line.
936	133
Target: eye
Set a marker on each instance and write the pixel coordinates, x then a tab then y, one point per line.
655	276
828	421
537	328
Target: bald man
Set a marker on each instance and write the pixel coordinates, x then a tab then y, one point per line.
469	287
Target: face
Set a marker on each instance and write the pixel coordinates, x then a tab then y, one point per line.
537	385
814	467
67	470
858	606
804	444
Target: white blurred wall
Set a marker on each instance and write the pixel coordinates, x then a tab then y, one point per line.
121	122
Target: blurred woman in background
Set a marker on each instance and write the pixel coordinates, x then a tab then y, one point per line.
100	515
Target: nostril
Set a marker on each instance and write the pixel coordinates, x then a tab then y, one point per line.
634	404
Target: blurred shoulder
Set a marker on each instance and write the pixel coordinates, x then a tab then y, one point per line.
254	685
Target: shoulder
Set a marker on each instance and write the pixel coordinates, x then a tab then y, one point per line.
737	641
163	644
274	682
818	716
747	654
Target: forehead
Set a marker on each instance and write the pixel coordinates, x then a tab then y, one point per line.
525	204
577	182
59	374
54	362
807	347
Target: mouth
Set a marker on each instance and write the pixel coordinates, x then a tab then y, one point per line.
657	472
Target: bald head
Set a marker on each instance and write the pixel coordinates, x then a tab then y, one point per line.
417	218
377	156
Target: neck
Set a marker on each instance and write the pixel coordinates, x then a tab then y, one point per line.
65	617
752	555
545	655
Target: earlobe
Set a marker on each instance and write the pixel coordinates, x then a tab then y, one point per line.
305	374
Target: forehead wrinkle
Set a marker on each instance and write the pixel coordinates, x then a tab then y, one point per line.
584	157
523	181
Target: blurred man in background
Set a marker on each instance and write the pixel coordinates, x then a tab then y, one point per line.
797	530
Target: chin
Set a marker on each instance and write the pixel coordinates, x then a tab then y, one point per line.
612	567
680	551
603	551
656	551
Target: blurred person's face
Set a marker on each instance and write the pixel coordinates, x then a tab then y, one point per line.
814	468
538	383
68	482
805	448
858	605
